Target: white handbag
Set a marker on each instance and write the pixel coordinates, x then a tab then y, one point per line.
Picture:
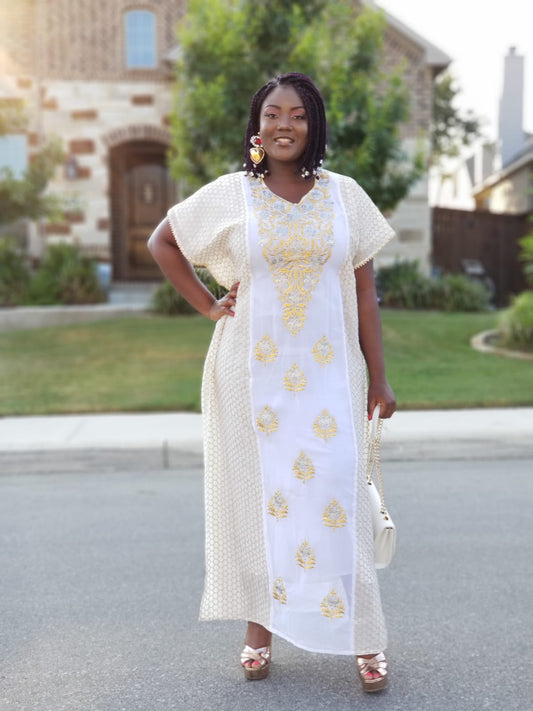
383	526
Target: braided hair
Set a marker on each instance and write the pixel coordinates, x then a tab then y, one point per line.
311	159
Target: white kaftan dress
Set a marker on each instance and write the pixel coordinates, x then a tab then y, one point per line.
288	529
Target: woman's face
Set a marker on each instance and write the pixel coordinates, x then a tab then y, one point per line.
283	125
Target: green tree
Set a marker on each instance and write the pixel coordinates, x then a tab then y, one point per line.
26	196
451	130
230	47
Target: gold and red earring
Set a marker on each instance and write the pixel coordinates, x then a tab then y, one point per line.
257	152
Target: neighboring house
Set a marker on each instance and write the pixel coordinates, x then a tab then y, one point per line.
99	75
510	189
501	176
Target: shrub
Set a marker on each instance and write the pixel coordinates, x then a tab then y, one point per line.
65	276
403	286
14	274
516	322
168	302
457	292
526	256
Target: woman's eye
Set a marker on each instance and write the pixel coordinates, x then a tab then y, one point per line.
300	116
271	116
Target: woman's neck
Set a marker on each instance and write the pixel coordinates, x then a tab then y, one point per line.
288	184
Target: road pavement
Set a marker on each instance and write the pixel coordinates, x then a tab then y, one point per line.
101	562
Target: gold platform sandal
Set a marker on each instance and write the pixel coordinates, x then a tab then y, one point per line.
367	667
260	662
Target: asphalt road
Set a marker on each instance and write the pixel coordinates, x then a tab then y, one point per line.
101	565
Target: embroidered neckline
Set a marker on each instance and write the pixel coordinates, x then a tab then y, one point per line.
289	202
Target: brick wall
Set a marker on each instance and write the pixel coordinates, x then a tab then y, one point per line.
400	52
18	40
75	39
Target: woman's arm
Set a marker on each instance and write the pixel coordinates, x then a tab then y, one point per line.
183	278
379	391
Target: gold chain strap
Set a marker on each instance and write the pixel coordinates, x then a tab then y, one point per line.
373	464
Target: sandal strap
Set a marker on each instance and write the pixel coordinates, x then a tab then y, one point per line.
377	663
261	655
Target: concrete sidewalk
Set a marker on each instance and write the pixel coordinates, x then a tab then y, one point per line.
406	434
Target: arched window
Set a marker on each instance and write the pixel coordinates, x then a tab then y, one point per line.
140	39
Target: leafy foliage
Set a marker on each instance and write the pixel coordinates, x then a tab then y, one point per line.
526	255
14	273
12	117
403	286
516	322
451	131
230	47
26	197
168	302
65	276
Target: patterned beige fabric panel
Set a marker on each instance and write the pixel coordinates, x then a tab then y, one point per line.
369	230
205	226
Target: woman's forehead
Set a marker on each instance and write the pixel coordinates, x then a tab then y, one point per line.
283	96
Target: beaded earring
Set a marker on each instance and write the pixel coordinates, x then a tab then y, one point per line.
257	152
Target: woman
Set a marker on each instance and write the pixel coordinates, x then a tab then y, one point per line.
288	532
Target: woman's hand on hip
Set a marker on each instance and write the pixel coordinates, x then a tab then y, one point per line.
223	307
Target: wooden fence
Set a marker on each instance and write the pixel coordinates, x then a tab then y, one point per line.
486	237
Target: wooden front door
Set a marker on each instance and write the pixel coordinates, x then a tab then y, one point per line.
142	192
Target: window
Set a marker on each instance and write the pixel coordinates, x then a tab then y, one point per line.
140	39
14	154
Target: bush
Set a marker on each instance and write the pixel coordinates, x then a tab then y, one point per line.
526	256
65	276
516	322
457	292
168	302
14	274
403	286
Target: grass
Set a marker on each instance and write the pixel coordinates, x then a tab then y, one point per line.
430	363
153	363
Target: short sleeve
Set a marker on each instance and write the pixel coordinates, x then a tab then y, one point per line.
369	230
203	225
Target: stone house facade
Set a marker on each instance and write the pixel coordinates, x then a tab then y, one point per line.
99	75
510	189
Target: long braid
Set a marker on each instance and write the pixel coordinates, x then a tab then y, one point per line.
315	150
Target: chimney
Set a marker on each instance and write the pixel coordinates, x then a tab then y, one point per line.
511	115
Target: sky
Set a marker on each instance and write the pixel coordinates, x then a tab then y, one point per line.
476	34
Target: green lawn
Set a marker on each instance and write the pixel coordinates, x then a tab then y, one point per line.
153	363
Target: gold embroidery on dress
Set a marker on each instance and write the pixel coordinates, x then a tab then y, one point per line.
267	420
305	556
266	350
278	506
296	241
294	379
323	351
279	591
303	467
332	605
325	426
334	515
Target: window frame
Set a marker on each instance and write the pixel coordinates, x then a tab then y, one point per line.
140	44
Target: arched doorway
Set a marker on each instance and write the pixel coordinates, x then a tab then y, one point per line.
141	193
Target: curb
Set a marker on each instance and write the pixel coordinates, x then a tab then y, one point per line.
481	343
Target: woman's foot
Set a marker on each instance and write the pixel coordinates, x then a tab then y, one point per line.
255	657
373	671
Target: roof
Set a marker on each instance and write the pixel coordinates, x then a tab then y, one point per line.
435	57
523	159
